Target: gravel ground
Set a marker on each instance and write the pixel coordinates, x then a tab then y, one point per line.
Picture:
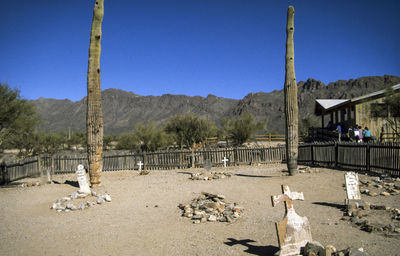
144	219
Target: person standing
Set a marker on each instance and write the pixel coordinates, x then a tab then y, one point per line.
360	132
366	134
339	131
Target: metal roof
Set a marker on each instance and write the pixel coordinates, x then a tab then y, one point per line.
327	104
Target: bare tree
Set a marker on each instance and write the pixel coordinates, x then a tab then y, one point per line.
290	91
94	116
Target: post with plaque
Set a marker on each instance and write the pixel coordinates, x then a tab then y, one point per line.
352	189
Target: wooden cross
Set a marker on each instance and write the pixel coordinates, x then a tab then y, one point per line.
287	197
293	231
140	164
225	160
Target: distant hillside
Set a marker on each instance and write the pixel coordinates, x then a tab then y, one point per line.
123	110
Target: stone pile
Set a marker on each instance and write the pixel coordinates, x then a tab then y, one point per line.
211	207
65	204
314	248
357	214
210	175
308	169
384	186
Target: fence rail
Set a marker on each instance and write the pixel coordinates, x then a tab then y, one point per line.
378	158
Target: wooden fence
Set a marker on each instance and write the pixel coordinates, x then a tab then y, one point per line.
62	164
378	158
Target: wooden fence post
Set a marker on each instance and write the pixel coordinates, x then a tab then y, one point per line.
4	173
193	165
236	156
368	158
39	165
144	161
312	154
336	153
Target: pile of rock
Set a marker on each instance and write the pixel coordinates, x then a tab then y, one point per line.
357	212
315	248
384	186
211	207
308	169
65	204
210	175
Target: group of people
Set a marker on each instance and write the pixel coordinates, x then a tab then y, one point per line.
358	134
354	133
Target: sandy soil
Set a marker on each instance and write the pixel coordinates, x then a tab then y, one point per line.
143	217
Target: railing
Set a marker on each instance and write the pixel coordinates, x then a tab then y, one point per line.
60	164
370	157
377	158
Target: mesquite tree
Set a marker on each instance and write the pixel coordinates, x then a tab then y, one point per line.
291	105
94	115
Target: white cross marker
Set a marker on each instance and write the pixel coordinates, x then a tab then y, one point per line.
225	160
140	164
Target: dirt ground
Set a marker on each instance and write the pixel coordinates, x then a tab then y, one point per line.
144	219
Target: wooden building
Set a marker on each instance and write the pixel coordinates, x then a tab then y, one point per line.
358	111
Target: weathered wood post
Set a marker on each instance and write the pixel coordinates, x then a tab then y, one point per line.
94	116
290	91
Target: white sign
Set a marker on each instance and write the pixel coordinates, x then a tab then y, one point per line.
82	180
352	189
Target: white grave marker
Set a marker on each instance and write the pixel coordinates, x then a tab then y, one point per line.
140	164
82	180
293	231
352	189
225	160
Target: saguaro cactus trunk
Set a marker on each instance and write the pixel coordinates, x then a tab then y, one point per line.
290	91
94	115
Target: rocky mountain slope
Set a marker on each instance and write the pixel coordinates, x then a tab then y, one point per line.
123	110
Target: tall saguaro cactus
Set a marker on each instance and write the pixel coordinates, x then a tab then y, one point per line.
290	91
94	115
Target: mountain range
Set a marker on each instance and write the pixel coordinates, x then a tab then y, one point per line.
123	110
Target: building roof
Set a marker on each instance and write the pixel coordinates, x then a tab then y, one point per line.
328	104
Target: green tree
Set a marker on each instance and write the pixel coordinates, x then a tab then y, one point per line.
49	142
18	121
128	141
305	124
108	140
150	137
77	140
187	130
240	130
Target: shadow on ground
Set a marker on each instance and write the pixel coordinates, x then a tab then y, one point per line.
253	249
72	183
338	206
252	176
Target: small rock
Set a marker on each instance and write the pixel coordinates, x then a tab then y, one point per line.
54	206
329	250
384	193
94	193
107	197
196	221
100	200
81	206
74	195
212	218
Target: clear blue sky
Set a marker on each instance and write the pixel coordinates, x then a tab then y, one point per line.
228	48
